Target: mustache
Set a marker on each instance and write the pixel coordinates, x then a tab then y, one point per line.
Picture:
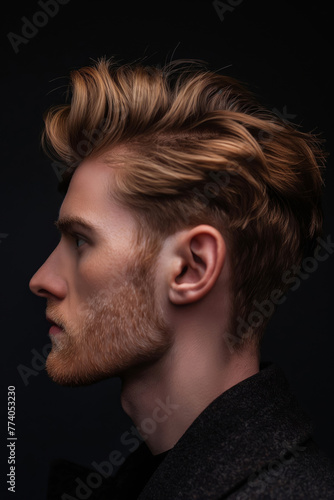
54	316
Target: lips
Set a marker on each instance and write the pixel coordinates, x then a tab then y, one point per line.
55	328
52	322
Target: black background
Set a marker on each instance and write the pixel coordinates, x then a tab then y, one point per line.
281	49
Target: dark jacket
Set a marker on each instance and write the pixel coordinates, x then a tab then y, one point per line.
252	442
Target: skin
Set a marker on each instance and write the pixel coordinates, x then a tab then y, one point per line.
158	326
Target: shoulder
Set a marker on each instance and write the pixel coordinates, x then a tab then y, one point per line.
301	472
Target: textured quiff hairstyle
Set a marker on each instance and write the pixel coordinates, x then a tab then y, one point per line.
190	146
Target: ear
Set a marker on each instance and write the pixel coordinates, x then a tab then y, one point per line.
198	258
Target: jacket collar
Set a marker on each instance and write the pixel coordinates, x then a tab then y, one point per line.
248	426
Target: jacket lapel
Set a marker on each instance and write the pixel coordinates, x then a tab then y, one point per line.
246	428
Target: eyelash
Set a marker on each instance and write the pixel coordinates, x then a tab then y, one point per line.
78	237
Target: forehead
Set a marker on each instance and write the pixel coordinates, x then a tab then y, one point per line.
89	196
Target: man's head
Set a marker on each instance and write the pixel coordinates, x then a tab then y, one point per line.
202	198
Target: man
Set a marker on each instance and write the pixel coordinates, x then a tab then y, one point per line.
188	209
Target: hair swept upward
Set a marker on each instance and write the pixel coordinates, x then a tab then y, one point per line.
198	148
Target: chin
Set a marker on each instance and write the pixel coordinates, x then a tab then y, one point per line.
73	374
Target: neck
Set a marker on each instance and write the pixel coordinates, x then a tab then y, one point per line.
165	397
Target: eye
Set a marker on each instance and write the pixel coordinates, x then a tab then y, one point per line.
79	241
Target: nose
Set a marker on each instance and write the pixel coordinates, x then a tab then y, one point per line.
48	281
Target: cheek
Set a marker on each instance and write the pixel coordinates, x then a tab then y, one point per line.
99	273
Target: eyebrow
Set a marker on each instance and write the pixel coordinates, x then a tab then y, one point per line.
66	224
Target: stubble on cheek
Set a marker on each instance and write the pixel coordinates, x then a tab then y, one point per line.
112	331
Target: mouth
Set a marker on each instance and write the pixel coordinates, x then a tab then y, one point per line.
55	328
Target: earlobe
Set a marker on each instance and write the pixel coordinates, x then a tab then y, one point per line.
200	258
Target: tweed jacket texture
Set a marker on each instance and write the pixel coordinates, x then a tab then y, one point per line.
252	442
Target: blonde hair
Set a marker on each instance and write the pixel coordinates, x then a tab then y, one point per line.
196	147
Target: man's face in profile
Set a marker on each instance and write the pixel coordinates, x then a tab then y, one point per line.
97	289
